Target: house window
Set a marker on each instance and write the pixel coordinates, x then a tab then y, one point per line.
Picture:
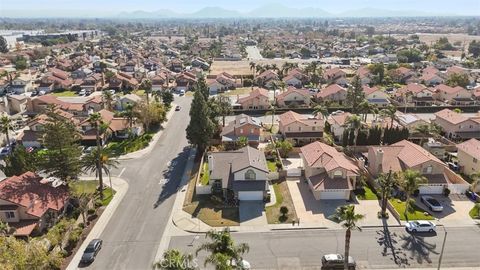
10	215
299	128
241	131
337	174
250	175
288	128
475	160
251	131
429	169
313	128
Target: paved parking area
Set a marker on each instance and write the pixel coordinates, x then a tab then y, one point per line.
252	213
455	210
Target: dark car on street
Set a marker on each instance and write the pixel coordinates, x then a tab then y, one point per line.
91	251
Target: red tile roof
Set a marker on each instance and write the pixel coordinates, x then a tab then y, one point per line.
320	155
471	147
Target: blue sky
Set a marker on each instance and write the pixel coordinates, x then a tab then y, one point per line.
460	7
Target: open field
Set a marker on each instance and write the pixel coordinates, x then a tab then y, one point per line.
242	67
432	38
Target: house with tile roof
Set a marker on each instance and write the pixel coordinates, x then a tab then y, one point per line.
30	203
453	95
337	121
239	174
405	155
376	96
266	78
469	156
299	129
243	126
257	99
331	175
294	97
332	93
458	126
415	93
335	76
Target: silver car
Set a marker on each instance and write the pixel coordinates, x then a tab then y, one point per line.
432	203
420	226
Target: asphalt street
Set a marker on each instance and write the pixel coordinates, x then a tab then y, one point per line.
373	248
132	236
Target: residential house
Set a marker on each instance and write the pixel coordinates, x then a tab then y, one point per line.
257	100
332	93
415	93
453	95
243	126
77	106
457	126
266	78
469	156
294	97
93	82
121	81
81	73
55	79
185	81
365	75
21	84
300	129
403	75
13	104
240	174
410	121
201	63
126	100
337	121
331	175
376	96
335	76
30	203
119	128
159	81
431	76
291	80
405	155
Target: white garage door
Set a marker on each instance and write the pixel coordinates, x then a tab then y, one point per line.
431	189
334	195
250	195
293	172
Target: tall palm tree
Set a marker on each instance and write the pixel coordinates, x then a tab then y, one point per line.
365	108
95	119
390	111
428	130
321	109
222	246
147	86
386	183
100	160
346	215
354	123
108	100
224	107
6	125
173	259
409	181
129	113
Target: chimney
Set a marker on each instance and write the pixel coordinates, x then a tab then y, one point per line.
379	159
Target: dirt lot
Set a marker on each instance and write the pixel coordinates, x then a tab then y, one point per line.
432	38
242	67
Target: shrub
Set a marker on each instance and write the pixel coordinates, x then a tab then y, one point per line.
446	192
91	211
284	210
416	193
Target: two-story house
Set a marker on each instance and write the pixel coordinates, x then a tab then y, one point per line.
332	93
243	126
300	129
418	94
30	203
405	155
457	126
453	95
294	97
376	96
469	156
258	99
331	175
335	76
240	174
337	121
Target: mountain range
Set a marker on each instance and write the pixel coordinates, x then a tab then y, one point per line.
274	10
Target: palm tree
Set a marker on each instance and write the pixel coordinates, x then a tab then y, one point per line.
409	181
354	123
108	100
428	130
222	248
224	107
147	86
321	109
346	214
365	108
129	113
390	111
173	259
386	184
100	160
6	124
95	119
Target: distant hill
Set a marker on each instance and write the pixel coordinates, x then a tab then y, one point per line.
215	12
376	12
140	14
279	10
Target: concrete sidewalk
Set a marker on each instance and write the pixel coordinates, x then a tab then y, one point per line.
142	152
120	186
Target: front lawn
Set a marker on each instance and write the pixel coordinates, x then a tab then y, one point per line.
418	214
65	94
366	194
204	208
130	145
90	187
474	213
283	197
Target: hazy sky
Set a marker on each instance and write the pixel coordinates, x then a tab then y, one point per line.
460	7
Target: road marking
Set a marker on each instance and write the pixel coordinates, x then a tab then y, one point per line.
121	172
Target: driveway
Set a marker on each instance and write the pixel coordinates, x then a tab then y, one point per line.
253	53
252	213
455	210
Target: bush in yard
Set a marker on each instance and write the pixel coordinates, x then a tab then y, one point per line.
446	192
284	210
91	211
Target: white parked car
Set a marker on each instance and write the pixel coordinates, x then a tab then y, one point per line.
420	226
432	204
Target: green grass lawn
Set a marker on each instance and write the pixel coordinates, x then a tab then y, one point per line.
418	214
65	94
205	179
130	145
368	195
90	187
283	199
272	165
474	213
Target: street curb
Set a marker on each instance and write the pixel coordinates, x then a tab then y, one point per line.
299	229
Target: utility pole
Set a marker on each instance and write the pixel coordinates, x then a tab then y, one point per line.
443	248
